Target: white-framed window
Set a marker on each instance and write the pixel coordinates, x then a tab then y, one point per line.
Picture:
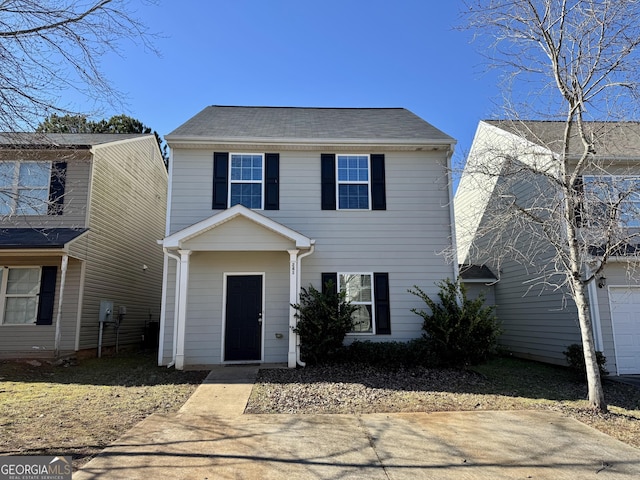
354	185
19	287
612	195
246	180
24	187
359	291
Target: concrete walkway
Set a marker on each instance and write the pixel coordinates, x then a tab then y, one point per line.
211	439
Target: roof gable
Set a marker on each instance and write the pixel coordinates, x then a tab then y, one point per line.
178	239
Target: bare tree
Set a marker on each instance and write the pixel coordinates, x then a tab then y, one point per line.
552	200
48	47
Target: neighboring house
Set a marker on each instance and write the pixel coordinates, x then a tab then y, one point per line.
266	200
80	218
540	322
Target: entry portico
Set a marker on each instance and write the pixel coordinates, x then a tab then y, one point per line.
240	299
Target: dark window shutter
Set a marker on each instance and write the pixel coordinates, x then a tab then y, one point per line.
47	295
378	202
383	311
272	178
220	180
56	188
328	173
330	277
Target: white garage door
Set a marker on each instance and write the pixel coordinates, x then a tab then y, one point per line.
625	316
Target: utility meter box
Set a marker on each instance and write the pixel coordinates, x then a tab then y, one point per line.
106	312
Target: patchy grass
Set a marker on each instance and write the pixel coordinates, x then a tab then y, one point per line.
78	409
500	384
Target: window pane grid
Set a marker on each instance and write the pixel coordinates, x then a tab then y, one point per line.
353	182
246	180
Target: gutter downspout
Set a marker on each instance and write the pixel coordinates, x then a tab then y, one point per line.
298	280
452	216
175	308
63	279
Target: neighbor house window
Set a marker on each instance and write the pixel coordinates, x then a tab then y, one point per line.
359	291
611	196
24	188
353	182
246	180
19	288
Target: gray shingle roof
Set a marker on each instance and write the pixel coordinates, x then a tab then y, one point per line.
62	140
615	139
38	237
297	123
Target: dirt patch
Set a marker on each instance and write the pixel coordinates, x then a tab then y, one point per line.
502	384
78	408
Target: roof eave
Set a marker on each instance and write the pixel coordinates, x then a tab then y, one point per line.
202	140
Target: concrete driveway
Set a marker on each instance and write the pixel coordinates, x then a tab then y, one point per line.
210	439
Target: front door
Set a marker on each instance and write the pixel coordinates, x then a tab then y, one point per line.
243	331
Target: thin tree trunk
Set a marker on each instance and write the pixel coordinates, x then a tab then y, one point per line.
594	382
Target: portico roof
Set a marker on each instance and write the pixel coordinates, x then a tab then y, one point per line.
180	238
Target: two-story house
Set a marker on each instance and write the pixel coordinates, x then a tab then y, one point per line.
537	314
266	200
80	217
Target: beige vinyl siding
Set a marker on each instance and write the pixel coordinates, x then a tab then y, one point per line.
76	188
126	218
204	331
39	340
238	234
406	240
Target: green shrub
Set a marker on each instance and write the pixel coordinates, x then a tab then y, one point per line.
324	318
458	330
387	354
575	358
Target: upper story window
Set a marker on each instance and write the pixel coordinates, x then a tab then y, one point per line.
246	185
249	179
353	182
24	188
612	197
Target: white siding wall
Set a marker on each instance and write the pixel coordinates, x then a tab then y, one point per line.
126	218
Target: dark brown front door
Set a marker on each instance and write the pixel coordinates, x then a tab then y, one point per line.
243	332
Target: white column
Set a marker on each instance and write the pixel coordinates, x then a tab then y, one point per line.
182	306
63	279
293	298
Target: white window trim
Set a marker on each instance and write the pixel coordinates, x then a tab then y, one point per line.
261	182
4	295
351	182
372	303
12	190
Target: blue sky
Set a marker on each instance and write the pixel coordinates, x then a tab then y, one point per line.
330	53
